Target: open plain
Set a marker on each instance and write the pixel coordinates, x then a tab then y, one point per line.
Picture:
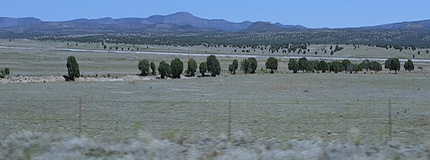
283	107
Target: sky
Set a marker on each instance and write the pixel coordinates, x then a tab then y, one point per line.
309	13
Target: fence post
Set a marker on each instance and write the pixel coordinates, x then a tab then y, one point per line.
229	119
389	120
80	116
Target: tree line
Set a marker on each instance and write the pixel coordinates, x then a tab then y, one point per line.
249	66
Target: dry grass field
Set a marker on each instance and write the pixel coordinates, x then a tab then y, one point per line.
280	116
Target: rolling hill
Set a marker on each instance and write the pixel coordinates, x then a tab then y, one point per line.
177	22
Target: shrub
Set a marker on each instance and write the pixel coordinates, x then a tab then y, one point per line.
409	65
336	67
154	72
337	48
203	68
293	65
177	68
192	67
394	64
233	66
244	65
357	68
303	64
164	70
310	67
143	67
7	71
213	65
252	64
365	64
272	64
322	66
377	66
347	66
2	73
72	68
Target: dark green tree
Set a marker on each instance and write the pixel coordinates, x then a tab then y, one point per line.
244	65
365	64
203	68
427	51
409	65
192	67
387	64
303	64
252	67
154	71
177	68
357	68
233	67
164	70
213	65
293	65
395	64
72	68
6	71
336	66
2	73
143	67
310	67
376	66
322	66
272	64
347	66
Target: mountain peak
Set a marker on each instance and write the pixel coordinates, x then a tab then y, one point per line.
181	15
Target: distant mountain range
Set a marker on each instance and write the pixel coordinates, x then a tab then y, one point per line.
177	22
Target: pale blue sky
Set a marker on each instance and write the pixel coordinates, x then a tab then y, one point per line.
309	13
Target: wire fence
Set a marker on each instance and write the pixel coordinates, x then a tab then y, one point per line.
270	120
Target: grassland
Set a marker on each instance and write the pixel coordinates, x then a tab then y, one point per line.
270	106
48	58
282	107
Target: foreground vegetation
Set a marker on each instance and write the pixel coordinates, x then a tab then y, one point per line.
241	146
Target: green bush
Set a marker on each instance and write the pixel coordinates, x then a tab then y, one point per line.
2	73
394	64
7	71
252	65
366	64
322	66
336	66
357	68
409	65
177	68
143	67
233	67
192	67
164	70
244	65
213	65
377	66
154	72
303	64
249	65
293	65
72	68
272	64
203	68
